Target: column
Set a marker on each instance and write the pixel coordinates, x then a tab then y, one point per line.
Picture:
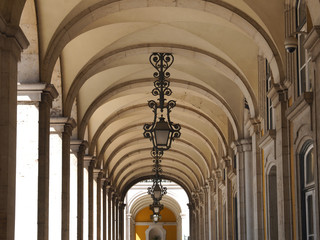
212	208
105	209
128	226
96	173
190	206
78	148
116	222
242	149
110	218
254	127
206	224
100	181
90	199
312	44
279	99
68	127
219	205
12	42
43	171
29	96
229	199
86	169
121	220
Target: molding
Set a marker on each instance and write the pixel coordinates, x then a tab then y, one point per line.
302	102
312	42
278	94
75	145
158	223
30	92
87	160
242	145
267	138
12	31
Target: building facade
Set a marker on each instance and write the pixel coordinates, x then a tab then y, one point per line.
75	81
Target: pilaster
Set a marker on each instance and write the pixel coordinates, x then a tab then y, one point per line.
243	150
312	44
279	97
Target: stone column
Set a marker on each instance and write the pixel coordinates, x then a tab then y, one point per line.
90	199
312	44
219	206
96	214
68	127
121	220
86	169
191	230
279	99
100	180
110	212
128	226
12	42
229	198
242	149
78	148
29	96
212	207
47	97
116	222
254	127
105	228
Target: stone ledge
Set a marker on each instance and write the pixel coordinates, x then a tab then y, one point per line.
312	42
267	138
305	100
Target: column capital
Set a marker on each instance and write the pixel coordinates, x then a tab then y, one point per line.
253	125
242	145
62	124
87	160
78	146
97	174
30	92
15	32
278	94
312	43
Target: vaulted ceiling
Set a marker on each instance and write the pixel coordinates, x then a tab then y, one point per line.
103	48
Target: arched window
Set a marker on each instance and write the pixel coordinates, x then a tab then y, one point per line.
307	166
303	75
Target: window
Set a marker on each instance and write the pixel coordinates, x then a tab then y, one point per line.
303	61
269	107
307	193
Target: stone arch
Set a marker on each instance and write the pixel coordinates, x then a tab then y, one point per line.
155	230
70	28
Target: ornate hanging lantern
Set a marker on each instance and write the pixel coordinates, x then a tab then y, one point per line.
162	131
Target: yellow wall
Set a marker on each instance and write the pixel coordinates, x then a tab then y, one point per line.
141	232
166	216
171	232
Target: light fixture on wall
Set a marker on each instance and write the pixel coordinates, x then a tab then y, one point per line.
162	131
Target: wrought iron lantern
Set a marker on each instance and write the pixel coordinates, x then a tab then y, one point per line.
162	131
156	217
157	190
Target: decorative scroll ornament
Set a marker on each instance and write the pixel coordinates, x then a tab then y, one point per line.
162	131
